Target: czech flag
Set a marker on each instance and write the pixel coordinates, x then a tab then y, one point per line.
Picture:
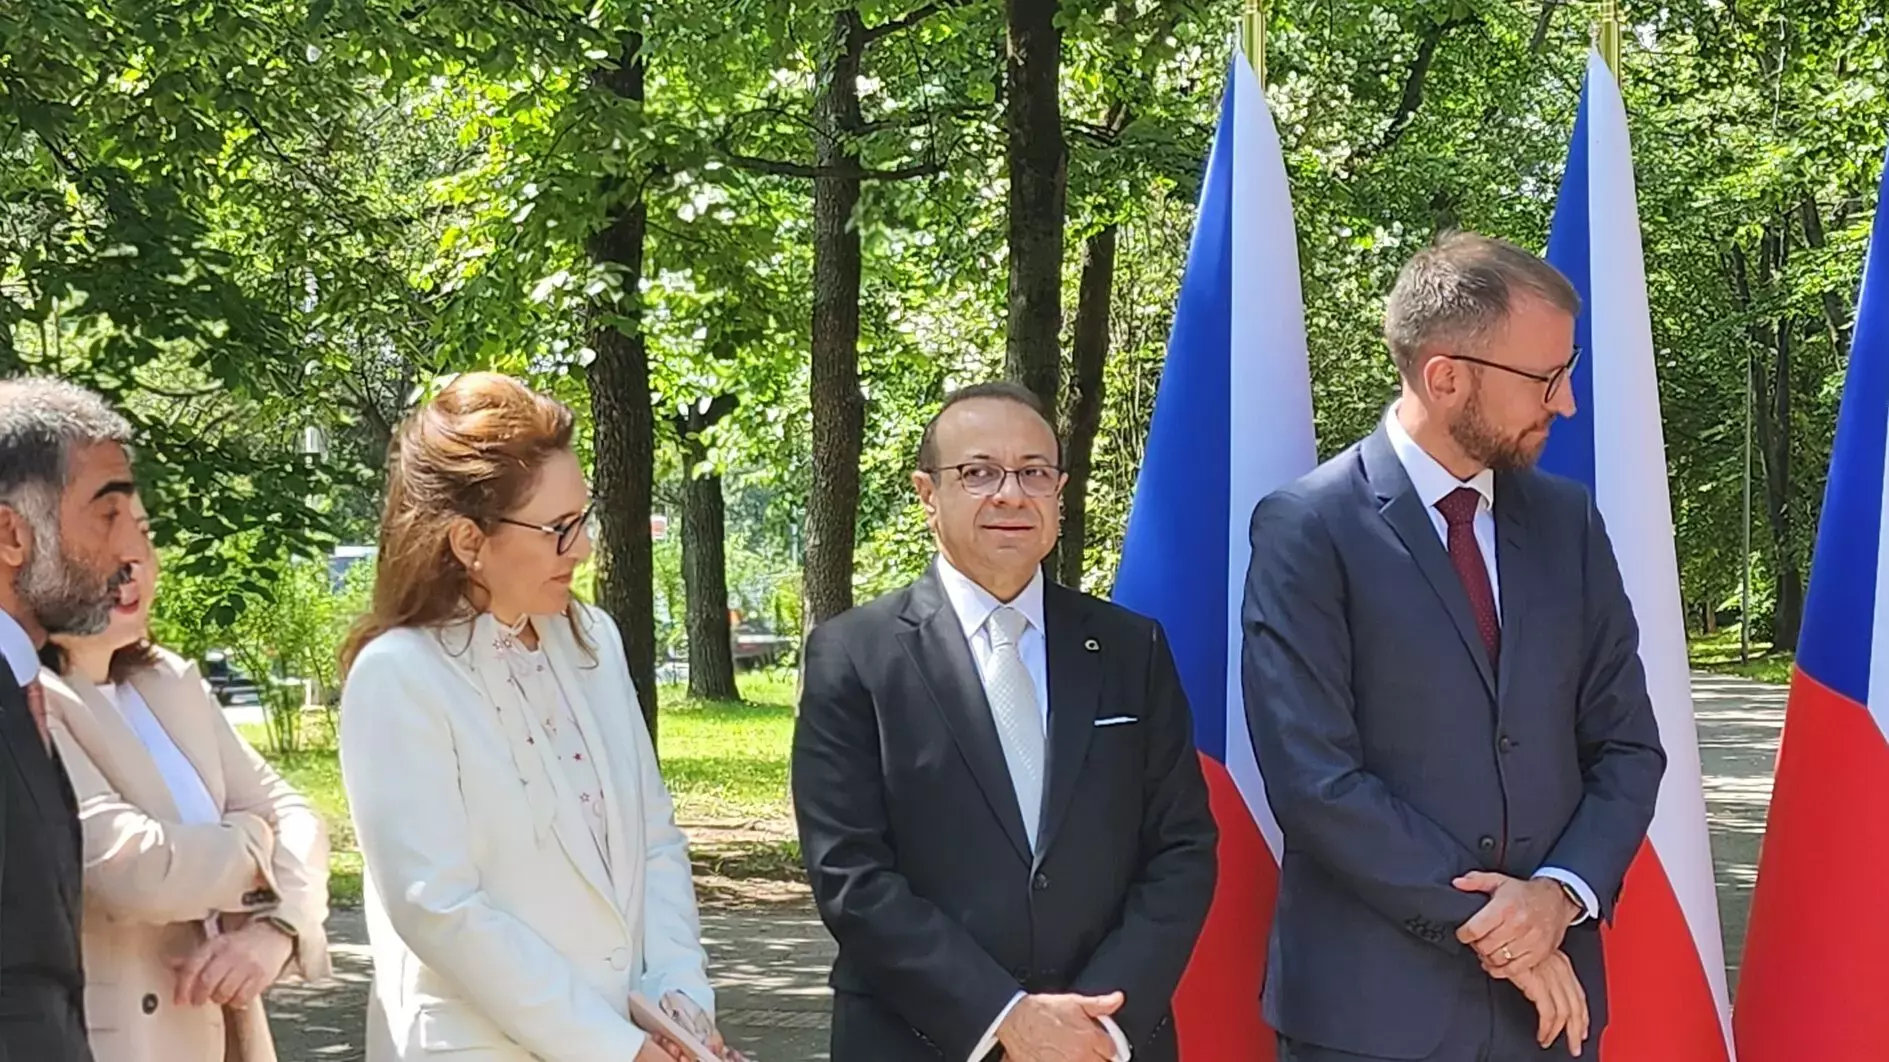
1232	422
1665	961
1812	986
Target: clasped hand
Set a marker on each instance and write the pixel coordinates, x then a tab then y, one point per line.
233	968
1059	1028
687	1014
1517	936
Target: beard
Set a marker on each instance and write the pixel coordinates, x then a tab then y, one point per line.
1488	446
64	595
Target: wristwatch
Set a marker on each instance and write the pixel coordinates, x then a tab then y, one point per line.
280	925
1580	905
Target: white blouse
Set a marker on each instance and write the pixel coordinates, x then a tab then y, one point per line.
194	805
568	743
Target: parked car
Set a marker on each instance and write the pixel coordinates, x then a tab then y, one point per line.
757	647
233	689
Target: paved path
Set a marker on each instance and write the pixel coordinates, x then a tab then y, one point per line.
770	963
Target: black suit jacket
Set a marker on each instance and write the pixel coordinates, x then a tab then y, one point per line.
1397	758
42	983
917	852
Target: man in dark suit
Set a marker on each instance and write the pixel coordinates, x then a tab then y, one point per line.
67	537
1445	695
1000	806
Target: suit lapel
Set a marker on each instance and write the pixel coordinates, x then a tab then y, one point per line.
579	683
113	745
1405	512
21	739
936	645
1515	566
169	697
1075	689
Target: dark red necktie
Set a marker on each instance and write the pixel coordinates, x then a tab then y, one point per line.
1459	512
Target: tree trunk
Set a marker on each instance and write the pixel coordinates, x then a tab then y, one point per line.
705	578
839	410
1034	124
1772	393
624	445
1085	411
1836	310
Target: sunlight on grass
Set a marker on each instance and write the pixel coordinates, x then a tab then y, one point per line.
1718	652
727	760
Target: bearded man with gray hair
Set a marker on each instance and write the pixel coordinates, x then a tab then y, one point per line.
67	540
1444	692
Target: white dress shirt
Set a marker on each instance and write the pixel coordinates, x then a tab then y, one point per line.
17	648
974	605
194	804
1433	483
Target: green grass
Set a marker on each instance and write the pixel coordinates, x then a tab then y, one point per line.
728	760
723	760
1719	653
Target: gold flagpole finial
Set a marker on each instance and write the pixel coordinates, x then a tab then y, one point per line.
1253	36
1607	35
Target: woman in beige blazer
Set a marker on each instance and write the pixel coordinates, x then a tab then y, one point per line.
205	874
525	876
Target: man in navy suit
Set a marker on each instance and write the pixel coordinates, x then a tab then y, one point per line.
1445	695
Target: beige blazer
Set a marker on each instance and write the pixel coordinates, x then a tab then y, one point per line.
150	881
498	932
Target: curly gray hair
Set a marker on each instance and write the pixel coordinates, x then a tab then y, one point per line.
42	422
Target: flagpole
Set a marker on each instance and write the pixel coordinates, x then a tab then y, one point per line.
1253	36
1608	35
1744	580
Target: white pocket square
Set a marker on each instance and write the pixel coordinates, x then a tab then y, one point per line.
1118	720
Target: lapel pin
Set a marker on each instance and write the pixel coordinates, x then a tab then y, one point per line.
1092	645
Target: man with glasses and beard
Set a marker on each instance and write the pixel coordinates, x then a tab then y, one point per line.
1444	691
1001	808
67	540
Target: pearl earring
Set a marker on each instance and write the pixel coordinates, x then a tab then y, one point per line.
477	564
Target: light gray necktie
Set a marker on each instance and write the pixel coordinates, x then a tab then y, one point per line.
1019	718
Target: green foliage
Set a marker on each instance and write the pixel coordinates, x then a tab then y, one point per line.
282	628
244	221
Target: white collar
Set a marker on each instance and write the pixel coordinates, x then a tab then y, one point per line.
974	604
1432	481
18	650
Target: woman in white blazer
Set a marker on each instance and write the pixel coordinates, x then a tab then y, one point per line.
524	872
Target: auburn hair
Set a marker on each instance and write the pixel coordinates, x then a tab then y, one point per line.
475	450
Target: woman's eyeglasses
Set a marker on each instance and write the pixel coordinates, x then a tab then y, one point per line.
565	532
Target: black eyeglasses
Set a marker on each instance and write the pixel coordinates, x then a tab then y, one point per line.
982	479
1551	381
566	532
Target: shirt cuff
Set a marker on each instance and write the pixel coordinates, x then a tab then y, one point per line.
989	1042
1122	1051
1590	904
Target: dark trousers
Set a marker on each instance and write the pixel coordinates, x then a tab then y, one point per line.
1494	1023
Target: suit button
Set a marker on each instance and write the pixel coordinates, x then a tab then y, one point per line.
1487	844
620	959
150	1004
1040	882
1506	744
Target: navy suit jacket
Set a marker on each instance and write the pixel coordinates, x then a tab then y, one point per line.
1396	758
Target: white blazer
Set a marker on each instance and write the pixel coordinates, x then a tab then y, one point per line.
498	934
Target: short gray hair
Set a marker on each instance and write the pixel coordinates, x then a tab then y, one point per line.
1460	287
42	421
